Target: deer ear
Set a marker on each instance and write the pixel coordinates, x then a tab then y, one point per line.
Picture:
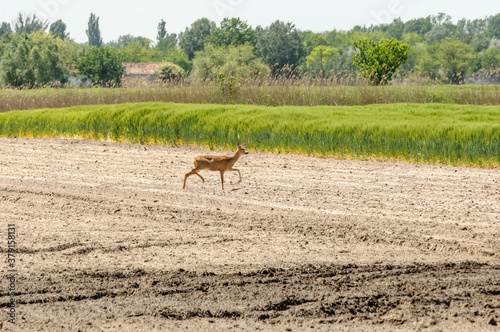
238	143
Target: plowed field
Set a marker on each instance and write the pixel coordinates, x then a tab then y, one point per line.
107	240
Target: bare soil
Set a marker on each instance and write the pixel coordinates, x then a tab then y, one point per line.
108	240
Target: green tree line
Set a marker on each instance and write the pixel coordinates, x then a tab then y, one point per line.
34	51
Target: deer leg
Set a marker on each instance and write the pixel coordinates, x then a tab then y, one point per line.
201	177
236	170
185	178
222	179
189	174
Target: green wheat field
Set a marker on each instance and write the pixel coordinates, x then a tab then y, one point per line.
450	134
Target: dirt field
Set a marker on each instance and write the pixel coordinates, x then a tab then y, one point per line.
109	241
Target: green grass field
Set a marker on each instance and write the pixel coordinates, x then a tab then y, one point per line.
428	133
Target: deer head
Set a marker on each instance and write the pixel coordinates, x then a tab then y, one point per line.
241	148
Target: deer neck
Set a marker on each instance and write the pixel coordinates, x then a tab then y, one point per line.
234	158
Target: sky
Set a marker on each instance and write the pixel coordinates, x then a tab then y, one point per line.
141	18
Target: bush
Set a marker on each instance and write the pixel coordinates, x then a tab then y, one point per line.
378	61
170	72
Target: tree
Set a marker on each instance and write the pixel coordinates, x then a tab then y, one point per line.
412	38
468	30
136	52
68	50
490	58
419	26
437	34
165	41
480	42
310	40
322	54
280	45
328	61
343	40
5	28
228	61
425	61
58	29
125	40
456	59
417	51
379	61
28	24
31	59
396	29
494	43
493	29
193	38
342	64
93	31
442	28
162	31
102	65
440	19
232	32
319	59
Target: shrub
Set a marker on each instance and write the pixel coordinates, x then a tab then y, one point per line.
378	61
170	72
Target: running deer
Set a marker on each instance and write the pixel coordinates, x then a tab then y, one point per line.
216	163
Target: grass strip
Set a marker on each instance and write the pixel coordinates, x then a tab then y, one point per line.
288	94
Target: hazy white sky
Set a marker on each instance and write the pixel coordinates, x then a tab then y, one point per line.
140	18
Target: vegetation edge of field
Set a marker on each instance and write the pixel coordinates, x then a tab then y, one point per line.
273	93
424	133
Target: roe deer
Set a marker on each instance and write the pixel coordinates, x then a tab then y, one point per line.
216	163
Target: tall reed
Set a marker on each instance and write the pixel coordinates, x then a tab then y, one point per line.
343	89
